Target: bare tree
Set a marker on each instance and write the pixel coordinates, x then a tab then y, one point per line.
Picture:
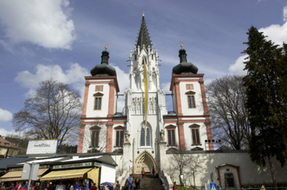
53	112
187	165
194	167
229	116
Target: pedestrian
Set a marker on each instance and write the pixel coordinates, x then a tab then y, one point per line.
17	186
118	186
77	186
93	187
70	186
174	186
22	186
26	185
37	186
131	182
11	187
51	186
153	171
137	183
143	173
2	185
60	186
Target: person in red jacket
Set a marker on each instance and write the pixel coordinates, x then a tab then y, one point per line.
174	186
143	173
94	187
16	186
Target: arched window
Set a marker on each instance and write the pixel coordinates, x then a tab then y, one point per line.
191	99
195	134
145	136
171	135
95	133
98	101
119	131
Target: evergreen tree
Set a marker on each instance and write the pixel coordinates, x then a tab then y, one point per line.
266	90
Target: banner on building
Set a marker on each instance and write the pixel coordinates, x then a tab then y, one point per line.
42	146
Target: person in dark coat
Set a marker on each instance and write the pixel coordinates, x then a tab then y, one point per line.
37	186
137	182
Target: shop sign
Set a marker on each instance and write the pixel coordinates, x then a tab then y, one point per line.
42	146
74	165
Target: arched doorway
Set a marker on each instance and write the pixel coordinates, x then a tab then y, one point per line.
144	160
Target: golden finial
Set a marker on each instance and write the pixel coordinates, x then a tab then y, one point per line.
181	44
106	46
143	14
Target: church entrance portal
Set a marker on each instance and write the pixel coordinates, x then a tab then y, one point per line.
144	160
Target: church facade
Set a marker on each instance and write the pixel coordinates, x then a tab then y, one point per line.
144	121
146	135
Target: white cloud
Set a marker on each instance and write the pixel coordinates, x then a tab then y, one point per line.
285	14
123	79
44	22
74	76
4	132
5	115
123	82
238	66
165	87
276	32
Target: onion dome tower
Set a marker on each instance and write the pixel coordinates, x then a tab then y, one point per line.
104	69
184	67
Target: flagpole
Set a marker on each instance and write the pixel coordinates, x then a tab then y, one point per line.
145	95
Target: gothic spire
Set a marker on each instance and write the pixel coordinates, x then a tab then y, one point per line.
143	38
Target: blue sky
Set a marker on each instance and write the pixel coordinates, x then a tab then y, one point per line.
63	39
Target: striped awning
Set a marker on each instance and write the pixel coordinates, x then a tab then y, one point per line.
66	174
17	175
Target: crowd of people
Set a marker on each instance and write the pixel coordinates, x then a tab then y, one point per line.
134	182
52	185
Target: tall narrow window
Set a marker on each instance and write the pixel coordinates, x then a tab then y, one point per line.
95	133
195	134
119	136
229	180
145	136
191	99
142	137
98	101
171	135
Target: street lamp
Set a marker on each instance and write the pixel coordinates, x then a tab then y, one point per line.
184	180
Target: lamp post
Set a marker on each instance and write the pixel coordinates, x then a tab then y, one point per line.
184	180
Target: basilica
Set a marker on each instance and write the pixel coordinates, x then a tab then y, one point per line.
146	135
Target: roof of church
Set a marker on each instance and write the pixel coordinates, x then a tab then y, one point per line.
104	69
143	38
184	67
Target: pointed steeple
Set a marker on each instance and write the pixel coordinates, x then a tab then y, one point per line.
143	38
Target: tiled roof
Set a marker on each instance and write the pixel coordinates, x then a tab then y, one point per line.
6	144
